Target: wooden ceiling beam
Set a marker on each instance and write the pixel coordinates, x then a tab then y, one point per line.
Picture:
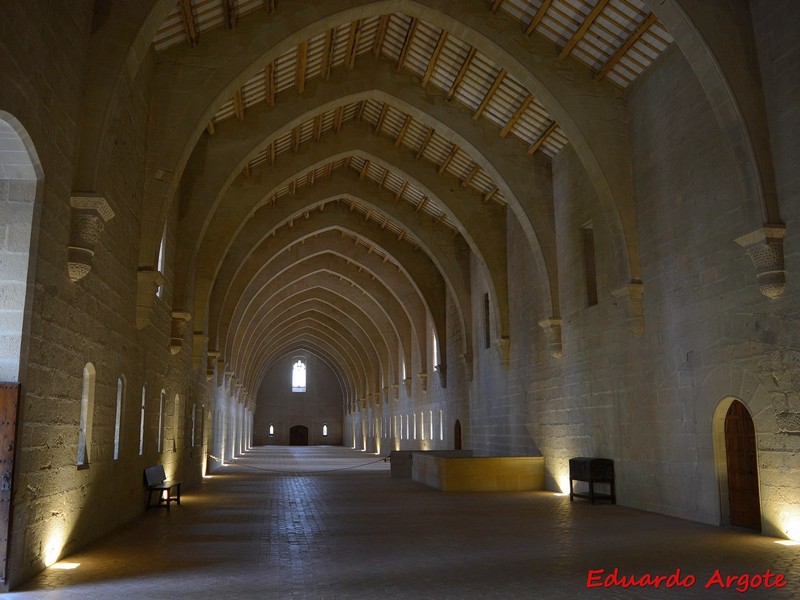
231	14
363	172
382	117
412	28
380	35
601	4
496	5
189	23
211	128
317	127
238	104
622	50
537	18
461	72
302	63
471	176
449	158
425	143
337	119
545	134
272	153
403	131
516	116
360	111
434	57
422	204
352	44
270	5
401	191
269	84
296	138
488	97
490	194
327	53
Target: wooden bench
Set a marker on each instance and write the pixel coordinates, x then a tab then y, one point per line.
592	471
156	481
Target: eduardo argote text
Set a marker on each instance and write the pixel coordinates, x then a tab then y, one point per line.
600	578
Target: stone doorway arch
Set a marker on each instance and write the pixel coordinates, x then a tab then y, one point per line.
298	435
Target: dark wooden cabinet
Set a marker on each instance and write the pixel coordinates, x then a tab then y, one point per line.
592	471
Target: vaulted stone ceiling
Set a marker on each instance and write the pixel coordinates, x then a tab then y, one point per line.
335	166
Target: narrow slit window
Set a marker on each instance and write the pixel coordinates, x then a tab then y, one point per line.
87	410
141	421
299	375
194	423
487	334
160	436
271	430
589	263
324	430
441	425
435	348
118	415
161	260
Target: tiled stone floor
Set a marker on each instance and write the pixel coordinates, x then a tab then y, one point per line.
357	533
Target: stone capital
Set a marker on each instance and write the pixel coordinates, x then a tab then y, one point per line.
764	246
632	297
180	325
89	214
552	327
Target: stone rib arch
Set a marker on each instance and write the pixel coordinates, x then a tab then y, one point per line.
427	278
317	317
358	312
329	242
383	306
592	116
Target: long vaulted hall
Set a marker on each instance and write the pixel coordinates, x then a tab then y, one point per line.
237	235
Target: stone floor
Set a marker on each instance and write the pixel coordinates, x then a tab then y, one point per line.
342	528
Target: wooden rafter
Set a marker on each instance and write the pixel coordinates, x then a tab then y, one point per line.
327	53
401	191
516	116
449	159
422	204
496	5
211	128
231	14
238	104
471	176
296	138
302	62
403	131
461	72
382	117
189	23
488	97
425	143
312	176
537	18
246	170
434	57
401	236
380	35
328	169
601	4
317	127
622	50
292	187
360	110
384	177
269	84
545	134
352	44
337	119
363	172
490	194
272	153
412	28
270	5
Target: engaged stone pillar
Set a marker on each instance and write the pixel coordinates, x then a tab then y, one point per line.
632	296
764	246
552	327
503	347
423	381
180	325
441	370
90	212
199	344
148	281
466	362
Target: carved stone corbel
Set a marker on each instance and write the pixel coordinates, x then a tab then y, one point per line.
211	363
764	246
180	325
89	215
552	327
148	281
632	296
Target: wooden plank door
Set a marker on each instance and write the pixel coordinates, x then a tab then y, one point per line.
9	400
740	452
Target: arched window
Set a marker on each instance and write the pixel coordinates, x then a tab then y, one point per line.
87	410
324	430
161	401
299	375
176	405
141	421
194	422
162	260
271	430
435	352
118	414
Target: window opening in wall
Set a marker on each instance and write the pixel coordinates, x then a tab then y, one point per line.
271	430
141	421
430	419
202	433
401	427
176	406
87	410
435	352
403	370
487	335
589	264
415	425
408	428
299	375
395	425
161	260
194	423
422	425
441	425
118	415
160	435
324	430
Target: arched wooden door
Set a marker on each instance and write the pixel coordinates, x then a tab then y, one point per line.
740	454
457	435
298	436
